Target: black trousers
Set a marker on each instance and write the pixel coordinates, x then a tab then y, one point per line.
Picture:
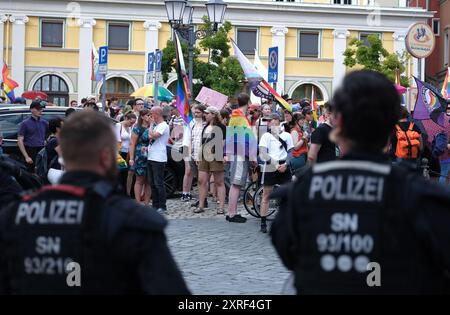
32	153
155	172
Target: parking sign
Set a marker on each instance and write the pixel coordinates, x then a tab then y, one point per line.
103	60
158	60
103	55
151	62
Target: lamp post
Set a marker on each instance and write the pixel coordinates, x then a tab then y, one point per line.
180	12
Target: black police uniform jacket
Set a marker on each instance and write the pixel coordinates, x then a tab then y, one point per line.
359	225
80	237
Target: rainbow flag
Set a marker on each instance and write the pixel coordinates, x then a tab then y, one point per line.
258	85
182	84
240	140
446	87
8	84
429	104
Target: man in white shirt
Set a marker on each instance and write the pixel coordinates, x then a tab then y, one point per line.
157	158
273	147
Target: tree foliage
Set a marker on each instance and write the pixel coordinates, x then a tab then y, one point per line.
375	57
221	72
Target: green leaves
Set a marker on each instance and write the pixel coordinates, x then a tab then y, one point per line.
375	57
221	73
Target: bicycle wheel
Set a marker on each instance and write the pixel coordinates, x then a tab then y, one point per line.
249	194
257	200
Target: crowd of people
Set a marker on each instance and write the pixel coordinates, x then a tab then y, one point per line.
287	142
371	198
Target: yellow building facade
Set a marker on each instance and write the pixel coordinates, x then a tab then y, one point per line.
49	47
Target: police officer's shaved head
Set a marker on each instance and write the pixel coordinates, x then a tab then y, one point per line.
366	107
88	142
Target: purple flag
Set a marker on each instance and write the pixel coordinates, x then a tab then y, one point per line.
429	104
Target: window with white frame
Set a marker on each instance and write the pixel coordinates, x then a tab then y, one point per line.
342	2
309	44
364	37
247	40
52	33
119	36
436	26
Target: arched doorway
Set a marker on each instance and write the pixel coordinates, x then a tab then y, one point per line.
118	87
305	91
55	87
172	87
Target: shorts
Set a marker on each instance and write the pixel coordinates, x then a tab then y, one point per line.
213	166
276	178
239	172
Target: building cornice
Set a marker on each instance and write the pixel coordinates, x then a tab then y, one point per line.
255	13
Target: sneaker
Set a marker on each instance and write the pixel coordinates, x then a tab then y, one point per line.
236	219
186	197
197	203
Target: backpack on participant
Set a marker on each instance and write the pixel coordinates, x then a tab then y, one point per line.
439	144
408	143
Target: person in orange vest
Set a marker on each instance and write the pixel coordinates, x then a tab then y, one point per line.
406	140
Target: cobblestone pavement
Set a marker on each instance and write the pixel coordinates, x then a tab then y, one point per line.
218	257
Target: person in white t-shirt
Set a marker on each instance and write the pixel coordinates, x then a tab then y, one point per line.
157	158
125	127
274	147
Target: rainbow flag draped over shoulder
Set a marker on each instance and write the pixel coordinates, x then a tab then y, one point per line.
240	140
259	86
429	104
182	84
8	84
446	87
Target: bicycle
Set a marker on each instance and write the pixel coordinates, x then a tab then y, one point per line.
253	197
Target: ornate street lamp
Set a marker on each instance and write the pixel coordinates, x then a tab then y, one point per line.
180	12
175	10
216	11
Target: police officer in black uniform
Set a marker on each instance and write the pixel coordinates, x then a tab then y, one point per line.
82	237
360	224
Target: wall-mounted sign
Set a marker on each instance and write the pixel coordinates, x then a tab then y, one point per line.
420	40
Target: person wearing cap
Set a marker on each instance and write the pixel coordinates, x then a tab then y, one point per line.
287	98
31	135
274	147
309	119
211	159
